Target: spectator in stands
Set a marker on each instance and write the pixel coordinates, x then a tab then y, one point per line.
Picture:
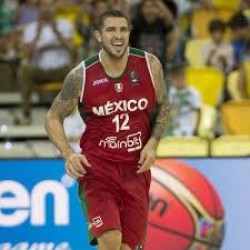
240	29
217	52
244	73
185	11
245	4
186	6
90	45
9	39
185	104
244	80
153	28
48	53
10	56
122	5
27	13
241	41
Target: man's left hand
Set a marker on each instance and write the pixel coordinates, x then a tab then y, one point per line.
147	156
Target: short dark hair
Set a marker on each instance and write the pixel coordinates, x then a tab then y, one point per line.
217	25
177	69
239	20
109	13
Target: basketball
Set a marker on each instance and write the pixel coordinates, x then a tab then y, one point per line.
186	212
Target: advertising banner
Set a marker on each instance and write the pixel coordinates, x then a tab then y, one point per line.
39	207
196	204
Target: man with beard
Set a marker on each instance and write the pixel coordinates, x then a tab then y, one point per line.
120	92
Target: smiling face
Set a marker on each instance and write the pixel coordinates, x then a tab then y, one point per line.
114	36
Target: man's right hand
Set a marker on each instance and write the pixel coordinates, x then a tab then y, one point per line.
75	165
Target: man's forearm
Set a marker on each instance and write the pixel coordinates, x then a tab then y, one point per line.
54	128
162	110
160	120
63	105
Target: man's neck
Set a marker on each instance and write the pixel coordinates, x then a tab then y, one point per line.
113	67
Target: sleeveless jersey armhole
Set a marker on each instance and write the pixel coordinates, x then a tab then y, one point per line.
150	72
83	80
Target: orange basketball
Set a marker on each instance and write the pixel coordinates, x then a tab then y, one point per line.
185	210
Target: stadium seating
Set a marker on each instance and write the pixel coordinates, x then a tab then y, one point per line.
247	13
193	51
201	18
208	81
49	86
47	91
183	147
232	85
236	117
232	82
227	4
27	149
208	117
23	132
230	145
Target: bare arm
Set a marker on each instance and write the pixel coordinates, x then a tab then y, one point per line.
148	153
163	107
62	106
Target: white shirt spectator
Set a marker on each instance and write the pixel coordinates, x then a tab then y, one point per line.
56	56
184	106
224	49
74	127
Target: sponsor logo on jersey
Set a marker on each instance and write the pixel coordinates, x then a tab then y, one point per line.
96	222
100	81
118	87
131	143
134	78
122	105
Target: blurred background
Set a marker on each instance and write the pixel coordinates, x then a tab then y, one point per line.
204	47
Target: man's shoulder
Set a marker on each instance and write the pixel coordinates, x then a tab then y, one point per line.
88	62
137	52
77	68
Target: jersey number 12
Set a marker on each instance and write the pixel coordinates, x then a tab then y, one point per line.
121	122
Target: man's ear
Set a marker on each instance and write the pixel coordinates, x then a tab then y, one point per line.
97	35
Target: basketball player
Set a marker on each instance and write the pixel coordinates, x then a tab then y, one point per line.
125	108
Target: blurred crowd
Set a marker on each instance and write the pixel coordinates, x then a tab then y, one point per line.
41	40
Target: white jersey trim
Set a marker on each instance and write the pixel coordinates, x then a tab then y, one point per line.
83	79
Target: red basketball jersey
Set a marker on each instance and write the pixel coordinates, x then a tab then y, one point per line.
117	111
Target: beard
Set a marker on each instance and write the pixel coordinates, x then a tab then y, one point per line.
114	53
